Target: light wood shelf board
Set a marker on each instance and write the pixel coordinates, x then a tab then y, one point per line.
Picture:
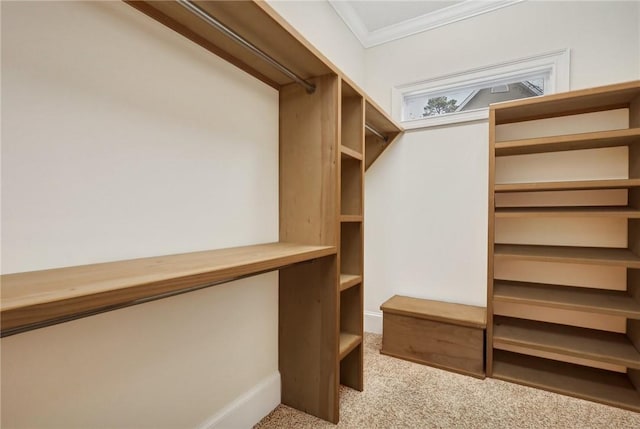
599	301
350	153
349	280
567	185
348	342
251	20
457	314
602	346
351	218
570	103
566	254
535	212
598	385
591	140
38	296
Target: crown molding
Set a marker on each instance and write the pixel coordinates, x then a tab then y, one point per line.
429	21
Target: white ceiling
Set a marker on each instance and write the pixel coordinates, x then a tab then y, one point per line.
377	22
377	14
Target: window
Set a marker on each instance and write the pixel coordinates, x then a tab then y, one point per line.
466	96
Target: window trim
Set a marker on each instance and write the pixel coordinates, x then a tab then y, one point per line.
555	63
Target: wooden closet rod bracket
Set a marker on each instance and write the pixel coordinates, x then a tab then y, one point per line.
200	13
376	132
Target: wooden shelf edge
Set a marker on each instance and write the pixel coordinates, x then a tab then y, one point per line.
347	151
567	142
608	97
42	298
567	185
604	211
348	342
351	218
581	343
577	255
597	301
592	384
349	280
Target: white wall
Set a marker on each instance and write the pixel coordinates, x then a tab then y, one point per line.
115	145
426	197
319	23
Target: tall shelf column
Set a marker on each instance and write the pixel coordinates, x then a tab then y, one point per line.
309	204
351	249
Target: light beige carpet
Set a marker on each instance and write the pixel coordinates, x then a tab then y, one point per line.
401	394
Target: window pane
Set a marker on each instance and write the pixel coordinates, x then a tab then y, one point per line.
465	99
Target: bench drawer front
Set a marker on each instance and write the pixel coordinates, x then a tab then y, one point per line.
447	346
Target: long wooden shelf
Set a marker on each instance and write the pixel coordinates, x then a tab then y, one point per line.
592	140
599	301
601	346
348	342
37	297
582	382
349	280
571	103
567	254
568	185
603	211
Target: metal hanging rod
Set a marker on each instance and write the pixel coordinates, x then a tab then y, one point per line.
200	13
376	132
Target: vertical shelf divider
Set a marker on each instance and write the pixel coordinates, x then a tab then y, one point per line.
351	249
308	298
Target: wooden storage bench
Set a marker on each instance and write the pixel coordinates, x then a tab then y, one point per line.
440	334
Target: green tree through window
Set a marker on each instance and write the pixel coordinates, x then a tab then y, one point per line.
439	105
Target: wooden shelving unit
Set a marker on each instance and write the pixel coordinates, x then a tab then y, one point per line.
582	341
322	159
351	249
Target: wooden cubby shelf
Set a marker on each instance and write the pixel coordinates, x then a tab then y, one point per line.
351	218
601	346
624	137
598	301
568	254
351	250
37	297
348	342
597	385
349	280
573	212
577	332
573	185
347	153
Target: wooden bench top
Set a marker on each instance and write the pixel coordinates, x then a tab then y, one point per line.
457	314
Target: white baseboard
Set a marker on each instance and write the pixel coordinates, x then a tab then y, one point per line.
373	322
249	408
